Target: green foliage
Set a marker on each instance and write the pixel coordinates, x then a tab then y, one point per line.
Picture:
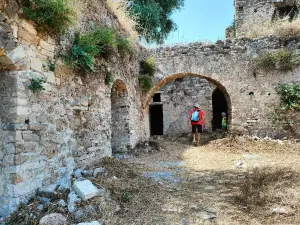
154	18
126	197
146	82
109	79
124	45
100	40
51	66
36	85
51	16
89	45
148	66
282	60
290	96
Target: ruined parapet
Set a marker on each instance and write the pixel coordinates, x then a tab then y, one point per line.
251	13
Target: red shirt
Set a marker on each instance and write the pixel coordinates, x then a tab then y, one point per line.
201	114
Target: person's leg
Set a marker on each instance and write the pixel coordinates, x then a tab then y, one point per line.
194	133
199	129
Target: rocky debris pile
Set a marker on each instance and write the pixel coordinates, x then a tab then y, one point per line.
151	146
54	205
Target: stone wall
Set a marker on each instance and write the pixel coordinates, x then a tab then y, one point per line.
44	136
179	96
252	13
230	65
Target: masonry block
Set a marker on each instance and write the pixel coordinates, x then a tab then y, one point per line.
86	190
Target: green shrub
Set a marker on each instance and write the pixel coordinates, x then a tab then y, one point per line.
51	16
109	79
146	82
282	60
89	45
126	197
36	85
124	45
148	66
290	96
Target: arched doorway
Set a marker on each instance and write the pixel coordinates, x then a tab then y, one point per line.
198	90
120	137
219	103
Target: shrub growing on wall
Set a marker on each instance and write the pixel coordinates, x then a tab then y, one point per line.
282	60
100	41
51	16
148	66
124	45
290	96
145	82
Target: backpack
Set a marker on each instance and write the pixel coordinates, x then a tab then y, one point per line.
195	116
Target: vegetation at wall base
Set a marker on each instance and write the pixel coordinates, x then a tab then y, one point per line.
153	18
148	66
36	85
51	16
145	82
282	60
290	96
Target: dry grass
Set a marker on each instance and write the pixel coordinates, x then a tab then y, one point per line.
127	22
280	28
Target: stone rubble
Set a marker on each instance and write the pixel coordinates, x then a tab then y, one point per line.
86	190
53	219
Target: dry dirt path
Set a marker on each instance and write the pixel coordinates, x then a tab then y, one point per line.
227	181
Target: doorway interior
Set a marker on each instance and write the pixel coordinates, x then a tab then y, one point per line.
156	119
219	103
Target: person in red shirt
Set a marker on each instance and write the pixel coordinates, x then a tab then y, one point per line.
196	120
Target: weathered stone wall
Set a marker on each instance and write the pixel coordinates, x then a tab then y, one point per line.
179	96
251	94
45	136
251	14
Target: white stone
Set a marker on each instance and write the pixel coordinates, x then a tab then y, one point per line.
85	189
45	45
281	210
50	77
17	54
90	223
53	219
98	170
36	64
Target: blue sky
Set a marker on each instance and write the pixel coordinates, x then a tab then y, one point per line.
202	20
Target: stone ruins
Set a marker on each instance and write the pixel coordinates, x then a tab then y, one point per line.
77	120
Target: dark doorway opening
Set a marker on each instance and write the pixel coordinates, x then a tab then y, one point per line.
156	97
219	105
156	120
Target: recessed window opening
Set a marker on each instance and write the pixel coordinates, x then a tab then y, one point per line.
291	12
157	97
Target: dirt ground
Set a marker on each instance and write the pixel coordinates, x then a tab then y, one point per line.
226	181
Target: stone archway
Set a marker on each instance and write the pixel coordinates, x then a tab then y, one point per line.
171	78
120	137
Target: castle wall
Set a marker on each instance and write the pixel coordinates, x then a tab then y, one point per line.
44	136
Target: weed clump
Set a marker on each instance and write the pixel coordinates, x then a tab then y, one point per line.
146	82
282	60
51	16
258	189
148	66
290	96
36	85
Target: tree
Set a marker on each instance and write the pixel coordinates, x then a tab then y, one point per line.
153	17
